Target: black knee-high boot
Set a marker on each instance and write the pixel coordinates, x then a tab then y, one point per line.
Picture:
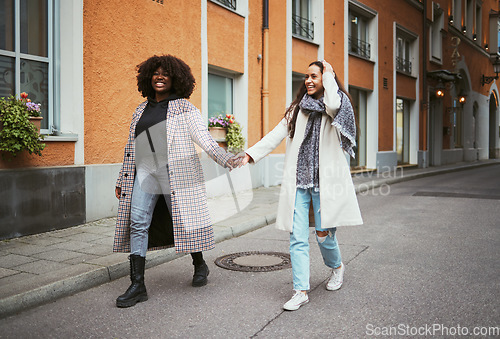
200	270
137	290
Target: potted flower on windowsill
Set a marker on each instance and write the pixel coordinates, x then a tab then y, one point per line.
217	126
226	131
33	111
17	132
234	138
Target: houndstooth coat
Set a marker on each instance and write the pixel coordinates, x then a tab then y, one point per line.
192	227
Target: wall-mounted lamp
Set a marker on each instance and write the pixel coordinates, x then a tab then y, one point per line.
489	79
486	46
440	90
464	29
450	19
462	97
474	37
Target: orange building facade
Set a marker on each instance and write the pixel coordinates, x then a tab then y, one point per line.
248	57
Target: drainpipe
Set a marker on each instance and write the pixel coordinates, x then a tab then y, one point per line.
425	102
265	67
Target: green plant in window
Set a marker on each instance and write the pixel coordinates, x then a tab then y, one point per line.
234	138
17	133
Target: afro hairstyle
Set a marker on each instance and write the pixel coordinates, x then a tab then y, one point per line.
183	81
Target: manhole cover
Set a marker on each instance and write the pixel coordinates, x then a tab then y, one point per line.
254	261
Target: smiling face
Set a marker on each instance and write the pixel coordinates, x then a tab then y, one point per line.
162	84
314	82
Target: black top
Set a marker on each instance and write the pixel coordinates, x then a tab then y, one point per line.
154	113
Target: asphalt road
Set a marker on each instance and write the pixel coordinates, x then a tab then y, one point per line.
425	263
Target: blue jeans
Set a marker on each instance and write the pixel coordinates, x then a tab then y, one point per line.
299	239
141	214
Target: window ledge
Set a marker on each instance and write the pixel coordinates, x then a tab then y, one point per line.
62	137
436	61
407	74
361	57
296	36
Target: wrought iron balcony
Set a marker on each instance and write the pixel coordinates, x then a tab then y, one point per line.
228	3
359	47
403	65
302	27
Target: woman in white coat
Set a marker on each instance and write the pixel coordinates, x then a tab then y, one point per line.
318	126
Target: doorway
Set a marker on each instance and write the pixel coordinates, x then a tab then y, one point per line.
493	126
403	131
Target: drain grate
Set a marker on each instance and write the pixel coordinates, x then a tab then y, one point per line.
254	261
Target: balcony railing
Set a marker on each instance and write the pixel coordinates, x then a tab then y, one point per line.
228	3
403	65
359	47
302	27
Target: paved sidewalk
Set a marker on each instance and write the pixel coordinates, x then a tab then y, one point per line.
40	268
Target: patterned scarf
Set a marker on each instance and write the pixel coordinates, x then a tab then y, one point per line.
308	157
346	124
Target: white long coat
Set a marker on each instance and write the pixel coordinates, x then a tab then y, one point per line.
339	205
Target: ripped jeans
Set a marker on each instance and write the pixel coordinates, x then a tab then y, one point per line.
299	239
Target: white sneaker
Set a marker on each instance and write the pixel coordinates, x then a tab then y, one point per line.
299	298
337	278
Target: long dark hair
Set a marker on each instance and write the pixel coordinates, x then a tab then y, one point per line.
293	110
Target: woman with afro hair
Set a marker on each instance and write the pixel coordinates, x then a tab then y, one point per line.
160	187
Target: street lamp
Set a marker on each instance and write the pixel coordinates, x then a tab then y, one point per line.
440	90
462	97
489	79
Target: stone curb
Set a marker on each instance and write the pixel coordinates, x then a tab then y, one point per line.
104	274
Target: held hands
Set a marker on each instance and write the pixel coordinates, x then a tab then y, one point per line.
238	160
246	159
118	192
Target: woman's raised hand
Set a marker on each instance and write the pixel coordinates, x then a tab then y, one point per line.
327	67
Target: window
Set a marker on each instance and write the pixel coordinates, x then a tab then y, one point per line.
403	130
220	95
358	36
359	102
436	39
26	52
456	122
297	83
302	25
477	26
469	18
457	13
227	3
406	50
403	63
